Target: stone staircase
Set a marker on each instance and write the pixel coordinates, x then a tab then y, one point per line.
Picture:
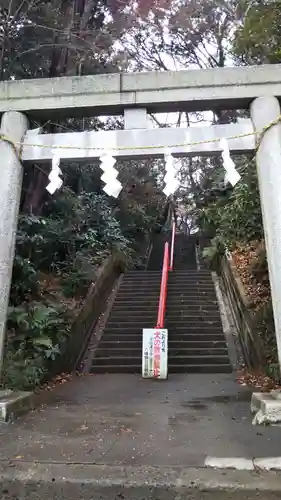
196	338
135	307
184	253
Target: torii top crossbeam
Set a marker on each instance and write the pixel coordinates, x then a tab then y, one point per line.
191	90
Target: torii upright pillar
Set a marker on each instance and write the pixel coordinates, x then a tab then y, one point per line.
14	126
263	111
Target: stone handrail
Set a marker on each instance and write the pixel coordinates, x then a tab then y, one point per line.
94	304
250	342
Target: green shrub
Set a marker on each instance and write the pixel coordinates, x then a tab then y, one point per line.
35	333
22	373
212	253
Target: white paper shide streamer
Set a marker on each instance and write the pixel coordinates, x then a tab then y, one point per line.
171	183
112	186
231	175
54	176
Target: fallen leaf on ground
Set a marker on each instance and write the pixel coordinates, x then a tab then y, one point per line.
257	379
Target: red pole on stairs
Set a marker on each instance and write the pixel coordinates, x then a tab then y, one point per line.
163	288
172	247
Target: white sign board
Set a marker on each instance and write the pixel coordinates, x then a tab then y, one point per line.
154	353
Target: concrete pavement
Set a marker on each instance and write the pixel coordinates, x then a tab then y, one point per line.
102	425
92	482
124	420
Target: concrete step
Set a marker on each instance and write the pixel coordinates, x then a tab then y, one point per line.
191	295
206	368
146	283
181	276
181	330
136	278
150	291
173	314
129	326
210	368
200	272
172	305
136	342
149	305
127	285
142	313
191	301
200	359
184	312
141	279
192	310
192	321
143	294
174	295
112	336
139	283
203	327
144	322
115	369
138	311
141	276
190	275
135	300
125	358
188	285
137	318
198	329
144	273
176	349
155	287
136	351
135	275
192	290
183	292
173	344
172	276
187	321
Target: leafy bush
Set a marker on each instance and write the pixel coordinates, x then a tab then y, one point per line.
58	253
73	224
80	273
237	218
35	333
25	282
212	253
20	372
259	268
38	329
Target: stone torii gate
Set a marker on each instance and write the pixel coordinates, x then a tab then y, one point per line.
254	88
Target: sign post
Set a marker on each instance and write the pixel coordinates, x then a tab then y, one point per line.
155	353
